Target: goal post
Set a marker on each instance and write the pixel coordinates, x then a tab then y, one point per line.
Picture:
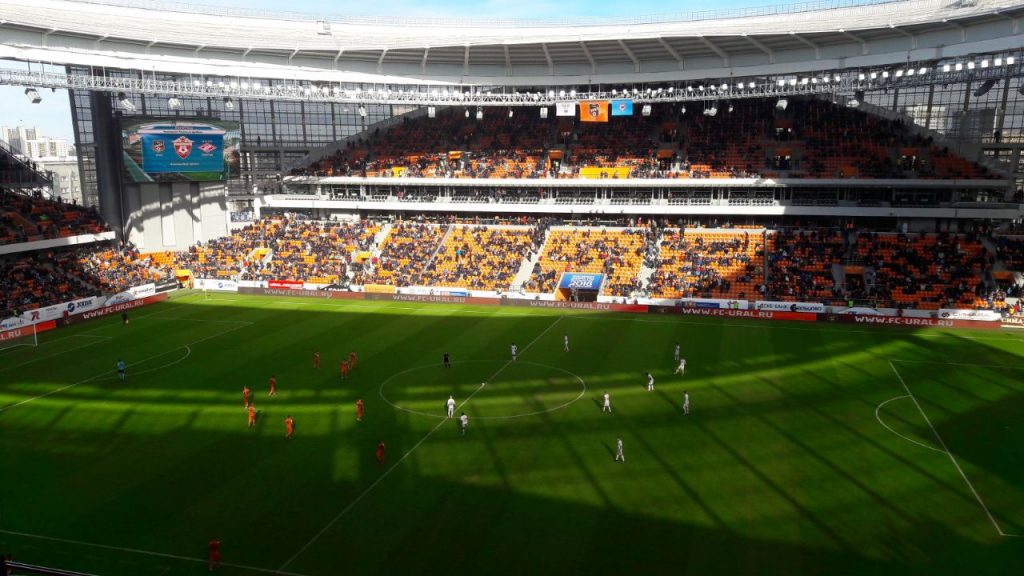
18	337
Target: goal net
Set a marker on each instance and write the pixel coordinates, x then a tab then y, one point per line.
18	337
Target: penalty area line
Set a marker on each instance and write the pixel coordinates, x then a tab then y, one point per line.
387	472
144	552
188	352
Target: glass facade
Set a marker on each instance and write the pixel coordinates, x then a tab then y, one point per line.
276	135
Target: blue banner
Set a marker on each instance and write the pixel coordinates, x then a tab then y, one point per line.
184	147
622	107
581	281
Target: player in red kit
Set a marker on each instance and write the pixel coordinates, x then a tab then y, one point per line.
359	410
289	427
380	453
273	386
214	554
316	360
245	395
344	369
252	416
352	359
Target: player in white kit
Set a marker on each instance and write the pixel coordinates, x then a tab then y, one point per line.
566	342
686	402
464	423
515	351
619	455
682	366
607	403
677	353
451	407
650	382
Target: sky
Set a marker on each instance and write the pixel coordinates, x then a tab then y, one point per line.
53	114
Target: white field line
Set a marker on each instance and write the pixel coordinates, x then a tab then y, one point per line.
99	338
769	324
188	352
950	454
144	552
410	451
886	426
510	417
957	364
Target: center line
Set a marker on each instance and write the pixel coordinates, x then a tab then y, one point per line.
410	451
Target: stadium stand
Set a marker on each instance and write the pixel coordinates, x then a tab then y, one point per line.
405	254
812	138
25	218
480	257
617	253
800	265
928	271
40	278
708	264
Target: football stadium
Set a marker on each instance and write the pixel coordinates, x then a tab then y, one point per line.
720	292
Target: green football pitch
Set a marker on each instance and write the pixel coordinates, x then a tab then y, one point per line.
809	449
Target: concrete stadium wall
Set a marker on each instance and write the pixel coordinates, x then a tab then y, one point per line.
174	216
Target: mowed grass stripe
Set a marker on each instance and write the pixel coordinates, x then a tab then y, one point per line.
780	469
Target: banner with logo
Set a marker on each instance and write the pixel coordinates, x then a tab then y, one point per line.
814	307
136	293
216	284
622	107
982	315
594	111
53	312
572	280
287	284
565	108
26	331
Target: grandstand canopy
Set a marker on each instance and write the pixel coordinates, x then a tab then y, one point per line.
196	39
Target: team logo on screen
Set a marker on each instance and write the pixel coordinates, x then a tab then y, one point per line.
158	146
594	109
621	107
207	147
183	147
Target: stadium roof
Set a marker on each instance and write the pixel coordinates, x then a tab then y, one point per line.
187	38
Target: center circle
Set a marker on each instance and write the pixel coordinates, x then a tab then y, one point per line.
521	389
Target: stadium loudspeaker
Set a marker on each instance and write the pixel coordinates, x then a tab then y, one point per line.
479	113
33	95
431	112
173	103
510	113
646	110
229	104
682	110
782	104
985	87
1020	89
544	113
